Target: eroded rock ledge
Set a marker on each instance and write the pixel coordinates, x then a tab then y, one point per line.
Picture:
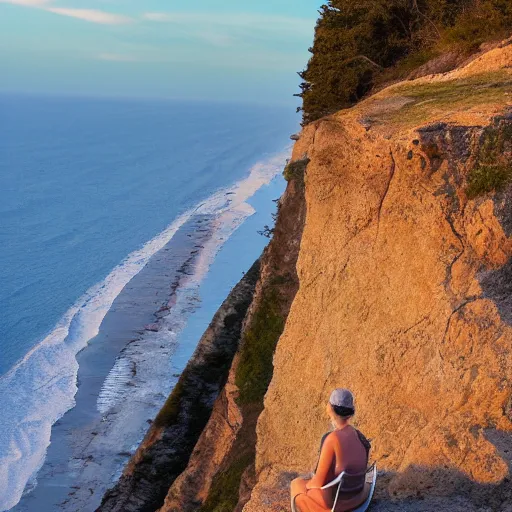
165	451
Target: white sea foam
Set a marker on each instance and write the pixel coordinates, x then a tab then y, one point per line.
41	387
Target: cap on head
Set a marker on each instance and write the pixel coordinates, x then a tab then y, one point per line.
342	398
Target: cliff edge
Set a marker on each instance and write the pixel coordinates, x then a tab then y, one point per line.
221	472
405	276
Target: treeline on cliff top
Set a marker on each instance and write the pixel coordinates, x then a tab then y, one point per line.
360	44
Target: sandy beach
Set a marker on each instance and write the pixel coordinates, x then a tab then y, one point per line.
129	368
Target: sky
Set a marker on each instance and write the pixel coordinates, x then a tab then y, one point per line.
221	50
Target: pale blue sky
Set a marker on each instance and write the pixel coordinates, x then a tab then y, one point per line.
191	49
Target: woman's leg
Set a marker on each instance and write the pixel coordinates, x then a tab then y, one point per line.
304	500
301	503
297	487
305	503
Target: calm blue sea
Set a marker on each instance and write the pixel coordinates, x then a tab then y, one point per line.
85	182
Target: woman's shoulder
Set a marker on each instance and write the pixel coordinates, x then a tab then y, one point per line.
333	437
349	432
329	438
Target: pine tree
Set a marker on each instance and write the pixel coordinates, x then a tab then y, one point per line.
356	40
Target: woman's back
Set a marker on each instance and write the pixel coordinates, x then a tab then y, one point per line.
351	455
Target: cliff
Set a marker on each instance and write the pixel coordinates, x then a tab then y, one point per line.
390	273
220	473
405	276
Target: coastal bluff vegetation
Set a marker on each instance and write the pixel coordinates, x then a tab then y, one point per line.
389	272
363	45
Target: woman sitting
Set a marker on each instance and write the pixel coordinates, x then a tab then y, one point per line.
344	449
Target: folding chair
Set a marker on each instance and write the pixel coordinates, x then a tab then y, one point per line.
348	482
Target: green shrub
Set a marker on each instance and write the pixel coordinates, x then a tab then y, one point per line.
224	492
487	178
404	67
296	170
168	414
255	367
486	20
492	171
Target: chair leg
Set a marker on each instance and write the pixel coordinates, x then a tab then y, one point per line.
336	498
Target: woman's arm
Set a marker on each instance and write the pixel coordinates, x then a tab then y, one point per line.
327	456
324	437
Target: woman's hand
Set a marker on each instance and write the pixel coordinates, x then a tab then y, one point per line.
309	487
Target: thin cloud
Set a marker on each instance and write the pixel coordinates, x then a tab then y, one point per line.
90	15
27	3
257	22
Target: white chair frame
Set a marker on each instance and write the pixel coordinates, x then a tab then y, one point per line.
339	480
371	471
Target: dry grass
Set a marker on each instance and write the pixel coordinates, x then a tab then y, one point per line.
433	100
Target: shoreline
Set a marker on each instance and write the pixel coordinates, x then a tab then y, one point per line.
166	448
98	434
229	211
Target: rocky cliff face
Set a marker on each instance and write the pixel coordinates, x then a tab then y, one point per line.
405	277
220	474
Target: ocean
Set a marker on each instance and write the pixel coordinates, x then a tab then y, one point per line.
105	206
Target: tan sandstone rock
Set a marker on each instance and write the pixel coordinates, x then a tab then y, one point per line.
404	291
